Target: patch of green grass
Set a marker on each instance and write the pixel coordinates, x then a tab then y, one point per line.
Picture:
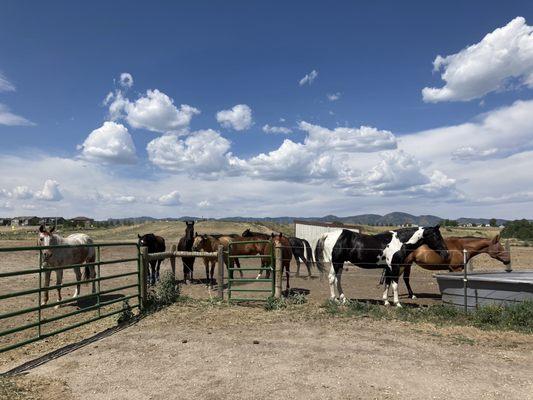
126	314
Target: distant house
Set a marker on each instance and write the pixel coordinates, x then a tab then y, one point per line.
5	221
25	221
52	221
82	222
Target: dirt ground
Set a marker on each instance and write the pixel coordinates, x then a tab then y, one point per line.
213	352
202	351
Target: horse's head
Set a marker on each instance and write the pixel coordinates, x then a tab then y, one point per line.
146	240
189	229
434	240
200	242
497	251
47	238
247	233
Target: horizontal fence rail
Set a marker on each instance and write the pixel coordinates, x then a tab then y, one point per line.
41	321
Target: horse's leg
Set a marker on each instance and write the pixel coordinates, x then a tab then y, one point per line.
342	297
212	277
333	280
77	292
395	277
158	267
238	265
387	284
47	273
297	258
308	266
92	271
287	274
206	265
59	281
406	278
152	272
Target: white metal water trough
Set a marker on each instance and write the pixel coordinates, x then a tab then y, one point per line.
484	288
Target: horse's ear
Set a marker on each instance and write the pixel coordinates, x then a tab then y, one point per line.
41	228
496	238
53	228
437	226
272	235
195	234
204	235
139	236
280	234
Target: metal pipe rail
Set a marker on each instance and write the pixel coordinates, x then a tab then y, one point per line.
42	320
169	254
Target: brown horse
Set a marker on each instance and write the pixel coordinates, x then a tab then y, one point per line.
431	260
210	243
277	239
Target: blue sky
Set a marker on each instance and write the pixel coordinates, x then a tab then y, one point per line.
61	60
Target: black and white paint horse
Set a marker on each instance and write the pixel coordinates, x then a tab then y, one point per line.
185	244
155	244
301	250
385	250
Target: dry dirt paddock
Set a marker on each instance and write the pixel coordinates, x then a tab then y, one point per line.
207	351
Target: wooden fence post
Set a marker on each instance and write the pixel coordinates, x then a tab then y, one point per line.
173	261
508	267
278	271
220	261
144	271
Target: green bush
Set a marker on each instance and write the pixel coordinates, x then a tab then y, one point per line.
166	292
519	229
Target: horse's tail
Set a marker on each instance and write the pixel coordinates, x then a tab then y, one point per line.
89	270
308	251
319	254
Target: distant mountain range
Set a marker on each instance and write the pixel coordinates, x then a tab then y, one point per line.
391	219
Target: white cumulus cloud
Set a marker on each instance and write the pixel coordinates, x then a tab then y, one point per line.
126	80
111	143
50	191
276	129
200	153
155	111
171	199
238	118
501	58
22	192
5	85
10	119
308	78
333	96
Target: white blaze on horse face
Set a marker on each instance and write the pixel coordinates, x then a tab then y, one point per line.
417	236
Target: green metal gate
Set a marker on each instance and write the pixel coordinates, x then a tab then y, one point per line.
40	320
234	283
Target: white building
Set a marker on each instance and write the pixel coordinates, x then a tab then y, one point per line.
311	230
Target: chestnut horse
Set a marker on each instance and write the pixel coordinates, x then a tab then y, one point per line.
431	260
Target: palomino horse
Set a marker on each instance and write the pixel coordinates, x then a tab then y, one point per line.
431	260
385	250
155	244
54	257
299	249
185	244
210	243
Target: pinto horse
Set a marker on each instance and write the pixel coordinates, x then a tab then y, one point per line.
432	260
155	244
385	250
75	255
185	244
299	249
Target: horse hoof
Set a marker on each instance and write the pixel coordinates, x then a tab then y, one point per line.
398	305
386	303
57	306
414	297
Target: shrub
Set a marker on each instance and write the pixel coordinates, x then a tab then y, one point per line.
166	292
126	313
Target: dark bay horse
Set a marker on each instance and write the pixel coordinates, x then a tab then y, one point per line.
185	244
155	244
385	250
286	255
301	250
432	260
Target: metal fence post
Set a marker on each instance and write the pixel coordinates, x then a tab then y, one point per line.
98	281
278	272
508	267
465	280
144	283
220	262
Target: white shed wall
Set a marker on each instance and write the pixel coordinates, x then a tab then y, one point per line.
312	233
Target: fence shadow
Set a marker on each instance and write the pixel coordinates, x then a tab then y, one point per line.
29	365
380	303
92	301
